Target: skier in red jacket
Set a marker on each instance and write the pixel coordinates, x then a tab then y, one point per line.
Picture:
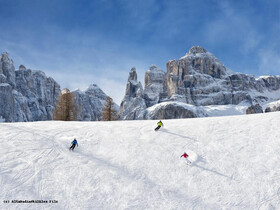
185	155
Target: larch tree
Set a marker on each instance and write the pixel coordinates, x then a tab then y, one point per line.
65	107
109	113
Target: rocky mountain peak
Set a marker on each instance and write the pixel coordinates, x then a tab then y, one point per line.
153	67
5	57
154	85
198	78
92	87
133	102
132	74
90	103
22	67
25	95
197	49
7	69
154	75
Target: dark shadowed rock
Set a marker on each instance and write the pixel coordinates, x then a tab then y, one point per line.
267	109
273	107
22	67
254	109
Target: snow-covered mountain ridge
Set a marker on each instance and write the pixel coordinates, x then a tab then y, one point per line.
127	165
90	103
25	95
200	79
29	95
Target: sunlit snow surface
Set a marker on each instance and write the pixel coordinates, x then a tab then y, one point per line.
127	165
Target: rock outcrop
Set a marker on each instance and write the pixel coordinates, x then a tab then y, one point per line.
272	109
7	70
155	88
254	109
169	110
273	106
133	103
28	95
89	103
200	79
25	95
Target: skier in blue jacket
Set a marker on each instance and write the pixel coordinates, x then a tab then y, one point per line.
74	143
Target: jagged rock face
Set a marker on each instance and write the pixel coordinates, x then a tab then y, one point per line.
193	77
200	79
90	103
35	84
197	49
155	88
132	74
26	95
133	88
133	103
132	108
7	68
6	101
254	109
271	82
40	91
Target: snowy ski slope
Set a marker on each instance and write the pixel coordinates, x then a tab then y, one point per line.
127	165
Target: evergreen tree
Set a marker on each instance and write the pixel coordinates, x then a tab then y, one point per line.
108	112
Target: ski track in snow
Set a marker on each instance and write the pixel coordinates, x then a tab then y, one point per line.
127	165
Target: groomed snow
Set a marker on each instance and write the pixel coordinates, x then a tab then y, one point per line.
127	165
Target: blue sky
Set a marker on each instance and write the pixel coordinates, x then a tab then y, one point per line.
79	42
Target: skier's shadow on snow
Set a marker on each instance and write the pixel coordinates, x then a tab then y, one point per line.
186	137
202	160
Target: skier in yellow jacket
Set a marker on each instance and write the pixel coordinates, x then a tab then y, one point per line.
159	125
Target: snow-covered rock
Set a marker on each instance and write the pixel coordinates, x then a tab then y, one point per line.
21	67
200	79
28	95
155	88
89	103
254	109
7	69
171	110
25	95
273	106
133	104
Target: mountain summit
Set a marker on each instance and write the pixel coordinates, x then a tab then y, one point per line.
200	79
